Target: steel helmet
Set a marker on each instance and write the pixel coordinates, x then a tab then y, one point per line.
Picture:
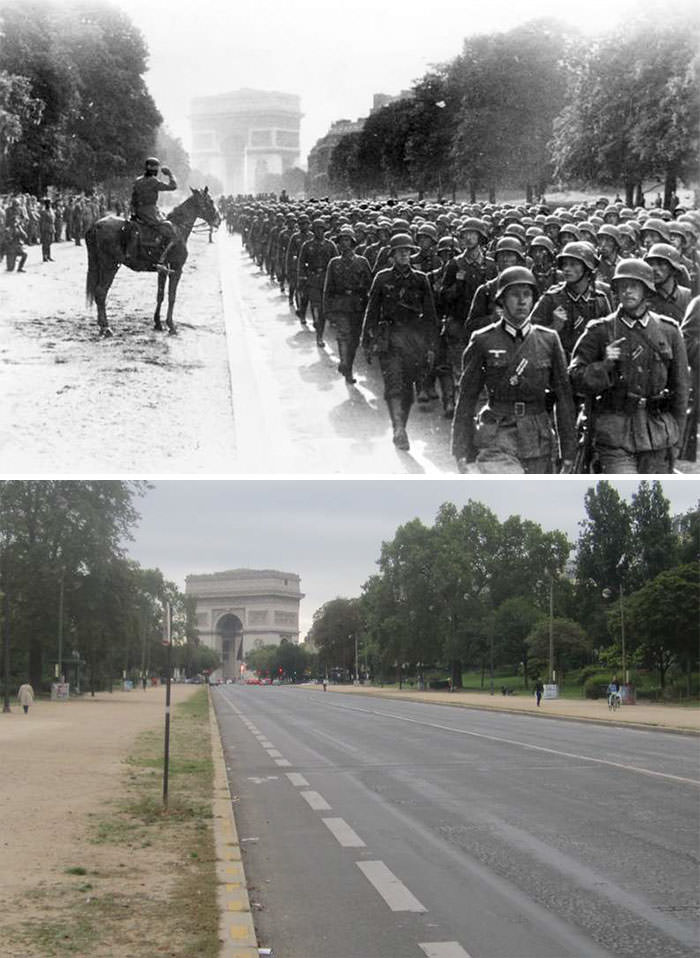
515	229
635	269
447	242
659	226
665	251
607	229
510	244
546	243
581	251
427	229
477	225
514	276
151	162
532	231
400	225
347	231
571	230
401	241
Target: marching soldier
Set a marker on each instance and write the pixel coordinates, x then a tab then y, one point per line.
670	298
634	366
568	306
400	326
296	241
609	244
523	368
543	253
314	257
47	229
345	292
508	252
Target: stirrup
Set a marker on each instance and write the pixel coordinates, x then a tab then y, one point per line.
162	268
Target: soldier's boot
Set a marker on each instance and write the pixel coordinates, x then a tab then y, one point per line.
22	261
303	302
447	387
347	355
319	326
398	422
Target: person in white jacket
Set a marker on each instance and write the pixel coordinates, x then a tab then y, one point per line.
25	696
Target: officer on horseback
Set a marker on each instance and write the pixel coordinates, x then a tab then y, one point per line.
144	208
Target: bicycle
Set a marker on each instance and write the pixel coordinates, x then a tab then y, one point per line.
614	701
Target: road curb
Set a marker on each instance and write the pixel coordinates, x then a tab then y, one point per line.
487	707
236	928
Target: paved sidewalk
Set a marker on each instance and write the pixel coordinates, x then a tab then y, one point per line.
678	718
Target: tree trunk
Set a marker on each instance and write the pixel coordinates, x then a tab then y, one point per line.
629	193
528	193
35	664
670	185
456	672
472	192
639	195
492	193
525	667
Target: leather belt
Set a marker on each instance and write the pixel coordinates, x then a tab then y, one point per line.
516	409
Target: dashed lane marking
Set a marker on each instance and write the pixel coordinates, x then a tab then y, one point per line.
273	753
297	780
283	762
345	835
316	801
393	891
443	949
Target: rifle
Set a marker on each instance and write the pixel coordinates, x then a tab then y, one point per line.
584	438
689	440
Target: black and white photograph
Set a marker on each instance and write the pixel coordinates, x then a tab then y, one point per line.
349	501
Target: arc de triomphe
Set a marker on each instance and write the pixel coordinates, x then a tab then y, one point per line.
242	136
243	609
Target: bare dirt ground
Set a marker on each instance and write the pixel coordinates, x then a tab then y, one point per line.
62	763
141	403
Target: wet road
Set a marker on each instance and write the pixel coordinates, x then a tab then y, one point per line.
374	829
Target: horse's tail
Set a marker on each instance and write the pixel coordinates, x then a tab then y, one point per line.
93	273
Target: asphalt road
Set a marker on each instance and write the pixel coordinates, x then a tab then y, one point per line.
376	829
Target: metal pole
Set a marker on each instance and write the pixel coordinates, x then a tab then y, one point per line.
357	676
551	628
491	657
625	677
6	649
59	674
166	752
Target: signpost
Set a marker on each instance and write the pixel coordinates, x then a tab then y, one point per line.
167	641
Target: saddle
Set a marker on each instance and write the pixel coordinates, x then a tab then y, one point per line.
142	245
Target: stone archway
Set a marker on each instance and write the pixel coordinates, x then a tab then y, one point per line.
229	631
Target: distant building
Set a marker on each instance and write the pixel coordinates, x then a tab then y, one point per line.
245	137
320	156
244	609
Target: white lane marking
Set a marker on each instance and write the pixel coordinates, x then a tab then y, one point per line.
535	748
346	836
443	949
283	762
296	779
273	753
316	801
394	892
265	743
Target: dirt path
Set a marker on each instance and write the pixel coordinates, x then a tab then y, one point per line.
60	763
137	404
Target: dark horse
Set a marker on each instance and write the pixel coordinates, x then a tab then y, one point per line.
107	244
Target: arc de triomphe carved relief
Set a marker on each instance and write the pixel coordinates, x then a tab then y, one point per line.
243	609
242	136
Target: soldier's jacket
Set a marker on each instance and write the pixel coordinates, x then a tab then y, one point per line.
47	224
282	246
426	260
347	284
641	400
690	328
371	252
382	259
400	296
463	277
483	309
144	197
314	257
672	303
518	373
567	314
606	268
296	241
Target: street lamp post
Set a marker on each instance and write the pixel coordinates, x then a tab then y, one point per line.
551	628
357	676
625	676
59	667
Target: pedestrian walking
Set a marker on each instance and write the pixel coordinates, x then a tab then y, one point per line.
25	696
539	689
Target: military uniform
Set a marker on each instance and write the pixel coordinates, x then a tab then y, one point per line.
400	325
690	330
144	199
567	314
296	241
522	372
345	292
640	401
314	257
670	300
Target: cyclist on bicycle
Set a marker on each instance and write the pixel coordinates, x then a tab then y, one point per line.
614	697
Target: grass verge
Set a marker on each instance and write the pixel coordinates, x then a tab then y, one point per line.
144	879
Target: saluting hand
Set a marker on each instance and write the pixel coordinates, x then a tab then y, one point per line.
165	170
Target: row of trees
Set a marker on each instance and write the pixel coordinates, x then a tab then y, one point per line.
74	106
471	592
68	585
536	105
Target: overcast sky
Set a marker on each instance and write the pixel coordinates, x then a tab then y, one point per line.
330	531
334	55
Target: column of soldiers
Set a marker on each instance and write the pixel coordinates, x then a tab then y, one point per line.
26	221
556	340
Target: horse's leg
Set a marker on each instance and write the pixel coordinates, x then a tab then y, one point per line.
159	301
107	274
172	293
